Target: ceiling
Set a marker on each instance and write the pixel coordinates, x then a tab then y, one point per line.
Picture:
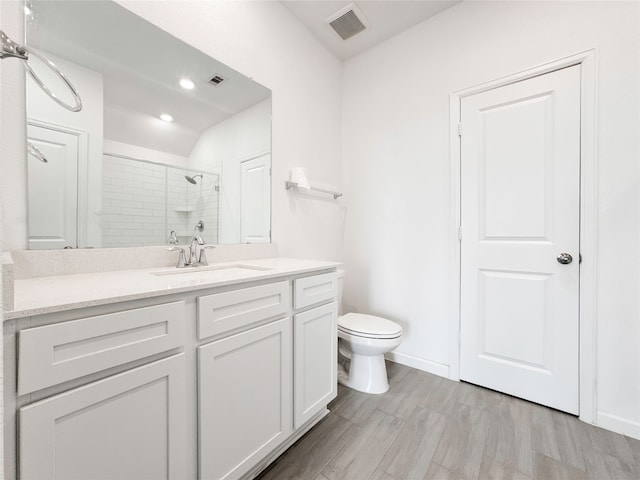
385	19
141	77
103	36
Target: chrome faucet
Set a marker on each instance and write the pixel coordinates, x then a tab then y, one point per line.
197	249
182	261
196	241
194	255
173	238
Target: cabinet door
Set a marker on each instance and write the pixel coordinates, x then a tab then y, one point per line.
315	361
244	399
129	426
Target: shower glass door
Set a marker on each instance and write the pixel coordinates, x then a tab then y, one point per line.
146	203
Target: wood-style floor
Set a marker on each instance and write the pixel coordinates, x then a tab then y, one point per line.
428	427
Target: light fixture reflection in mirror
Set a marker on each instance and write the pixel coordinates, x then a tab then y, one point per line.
187	84
222	132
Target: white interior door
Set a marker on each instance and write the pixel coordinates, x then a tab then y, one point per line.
255	206
520	164
53	189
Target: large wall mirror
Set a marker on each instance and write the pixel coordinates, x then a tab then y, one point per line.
167	136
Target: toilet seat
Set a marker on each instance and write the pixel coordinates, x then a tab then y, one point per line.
368	326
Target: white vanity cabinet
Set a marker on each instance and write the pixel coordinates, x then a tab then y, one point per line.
128	426
212	383
244	378
315	345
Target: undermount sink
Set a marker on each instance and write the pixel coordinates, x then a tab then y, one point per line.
210	268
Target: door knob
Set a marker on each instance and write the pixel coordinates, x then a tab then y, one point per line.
564	258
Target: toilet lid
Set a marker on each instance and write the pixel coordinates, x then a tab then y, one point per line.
369	326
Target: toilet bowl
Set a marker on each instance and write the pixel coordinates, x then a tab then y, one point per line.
363	340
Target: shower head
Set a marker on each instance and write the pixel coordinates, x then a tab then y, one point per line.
192	179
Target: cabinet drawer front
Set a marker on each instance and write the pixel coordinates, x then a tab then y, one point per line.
56	353
313	290
223	312
128	426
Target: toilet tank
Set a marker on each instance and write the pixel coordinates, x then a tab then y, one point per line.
340	289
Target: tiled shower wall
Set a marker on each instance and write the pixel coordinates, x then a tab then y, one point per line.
143	202
187	204
133	203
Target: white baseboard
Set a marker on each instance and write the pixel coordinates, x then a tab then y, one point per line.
618	424
419	363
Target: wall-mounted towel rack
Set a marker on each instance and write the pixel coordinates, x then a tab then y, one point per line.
35	151
10	49
288	184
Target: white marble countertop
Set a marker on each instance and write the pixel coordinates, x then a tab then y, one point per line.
41	295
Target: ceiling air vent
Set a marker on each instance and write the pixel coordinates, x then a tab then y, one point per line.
216	80
348	21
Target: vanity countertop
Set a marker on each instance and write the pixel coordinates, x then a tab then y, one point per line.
42	295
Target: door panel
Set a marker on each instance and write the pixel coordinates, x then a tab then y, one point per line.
255	202
520	163
53	189
515	143
513	331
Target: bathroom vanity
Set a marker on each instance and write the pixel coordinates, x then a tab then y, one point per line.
206	373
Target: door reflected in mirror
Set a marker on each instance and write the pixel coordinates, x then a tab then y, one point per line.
158	115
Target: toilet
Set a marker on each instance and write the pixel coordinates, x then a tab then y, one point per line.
362	342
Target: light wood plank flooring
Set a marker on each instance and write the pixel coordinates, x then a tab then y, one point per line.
428	427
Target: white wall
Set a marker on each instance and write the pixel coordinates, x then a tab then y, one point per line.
2	305
396	171
222	147
13	136
264	41
13	163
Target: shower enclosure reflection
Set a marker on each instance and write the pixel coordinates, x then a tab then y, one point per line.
147	203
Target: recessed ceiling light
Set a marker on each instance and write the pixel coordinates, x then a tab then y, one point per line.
166	117
187	84
27	10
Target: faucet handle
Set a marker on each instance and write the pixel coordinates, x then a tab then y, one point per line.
182	259
203	257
